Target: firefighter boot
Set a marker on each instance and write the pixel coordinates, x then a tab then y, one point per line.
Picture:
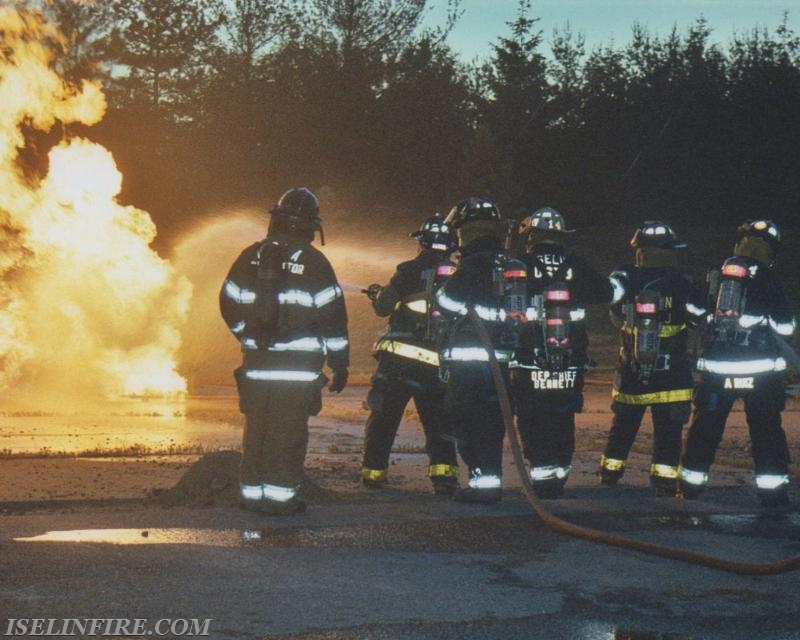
688	491
276	508
774	498
549	489
611	470
482	489
373	478
609	478
444	485
478	496
665	487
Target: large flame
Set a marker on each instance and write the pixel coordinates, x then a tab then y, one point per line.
86	306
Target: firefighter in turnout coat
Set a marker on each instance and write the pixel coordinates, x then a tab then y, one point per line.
748	315
471	399
408	361
655	369
549	362
282	302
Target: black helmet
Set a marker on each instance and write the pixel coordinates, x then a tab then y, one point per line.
544	219
299	206
655	233
473	209
760	228
436	234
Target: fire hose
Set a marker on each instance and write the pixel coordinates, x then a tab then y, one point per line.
595	535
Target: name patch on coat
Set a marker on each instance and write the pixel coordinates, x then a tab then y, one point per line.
554	379
739	383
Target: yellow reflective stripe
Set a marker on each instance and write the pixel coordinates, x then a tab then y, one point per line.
373	474
666	331
418	306
612	464
657	397
447	470
664	471
409	351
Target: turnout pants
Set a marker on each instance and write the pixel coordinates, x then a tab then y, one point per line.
276	429
546	424
668	393
397	381
762	404
473	408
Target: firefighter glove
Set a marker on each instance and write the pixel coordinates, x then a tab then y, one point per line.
339	381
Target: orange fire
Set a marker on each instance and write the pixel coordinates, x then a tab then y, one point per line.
86	306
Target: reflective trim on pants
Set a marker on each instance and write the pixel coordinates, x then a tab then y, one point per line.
251	491
278	494
485	482
611	464
664	471
697	478
373	474
539	474
771	481
446	470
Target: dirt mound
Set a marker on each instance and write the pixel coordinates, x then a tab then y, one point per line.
211	481
214	481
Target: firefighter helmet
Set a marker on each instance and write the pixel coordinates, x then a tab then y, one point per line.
436	234
300	208
473	209
655	233
761	228
544	219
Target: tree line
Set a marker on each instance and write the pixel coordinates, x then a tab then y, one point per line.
220	102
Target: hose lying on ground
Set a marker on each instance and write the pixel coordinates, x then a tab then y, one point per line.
595	535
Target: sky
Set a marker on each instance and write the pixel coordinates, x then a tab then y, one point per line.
605	22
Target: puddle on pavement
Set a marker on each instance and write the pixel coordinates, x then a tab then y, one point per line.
506	535
761	524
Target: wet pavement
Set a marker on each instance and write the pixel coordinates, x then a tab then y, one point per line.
402	563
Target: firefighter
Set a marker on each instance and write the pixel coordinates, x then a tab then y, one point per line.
547	371
654	367
282	302
471	399
408	361
748	317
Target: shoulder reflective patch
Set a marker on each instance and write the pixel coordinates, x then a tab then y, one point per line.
618	289
237	294
694	310
782	328
336	344
327	295
454	306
